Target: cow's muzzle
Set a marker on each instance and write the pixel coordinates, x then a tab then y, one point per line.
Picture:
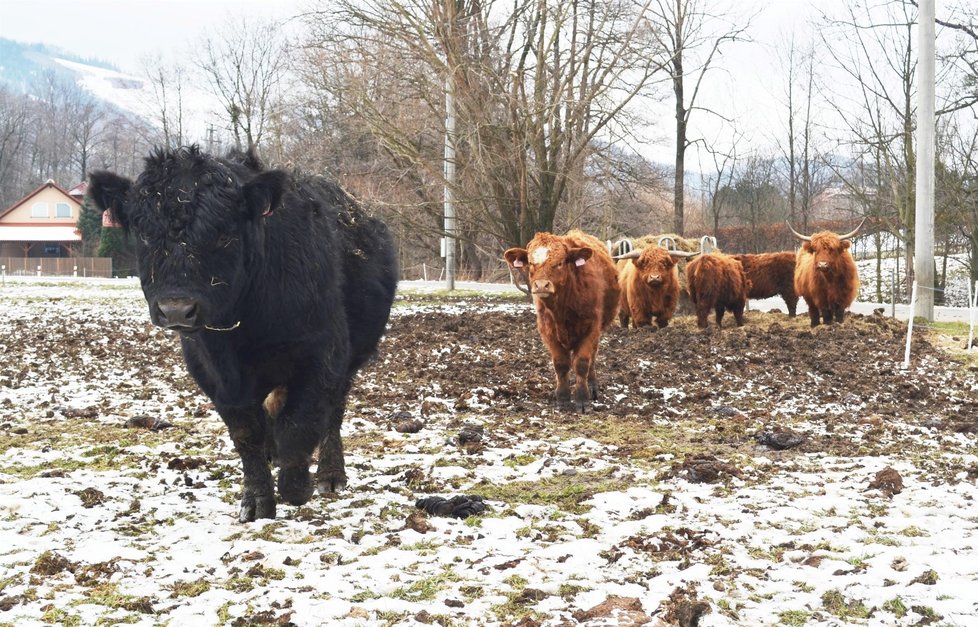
179	314
543	288
822	266
655	279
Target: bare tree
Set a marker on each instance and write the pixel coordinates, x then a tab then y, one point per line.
756	199
717	181
541	87
245	63
807	173
960	19
690	50
168	81
15	124
872	46
87	130
959	179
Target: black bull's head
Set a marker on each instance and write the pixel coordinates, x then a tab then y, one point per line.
197	225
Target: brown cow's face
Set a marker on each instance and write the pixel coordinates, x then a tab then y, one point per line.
827	249
654	266
549	262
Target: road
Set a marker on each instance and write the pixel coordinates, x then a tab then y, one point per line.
941	314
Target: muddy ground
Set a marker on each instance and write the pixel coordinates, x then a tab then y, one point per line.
669	500
733	380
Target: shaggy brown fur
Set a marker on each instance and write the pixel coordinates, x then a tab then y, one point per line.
684	244
575	290
771	274
826	277
717	282
649	288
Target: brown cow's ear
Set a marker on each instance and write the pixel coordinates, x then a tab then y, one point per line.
516	257
806	246
579	256
845	244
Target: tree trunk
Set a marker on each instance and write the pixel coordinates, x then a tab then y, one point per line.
678	195
878	242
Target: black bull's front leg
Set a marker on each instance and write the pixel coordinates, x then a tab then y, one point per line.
309	414
247	427
311	417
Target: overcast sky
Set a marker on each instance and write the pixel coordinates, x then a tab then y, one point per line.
124	32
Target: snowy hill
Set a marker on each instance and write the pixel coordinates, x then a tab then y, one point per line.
138	96
25	68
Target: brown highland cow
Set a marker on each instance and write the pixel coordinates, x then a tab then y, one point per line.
716	282
826	275
649	281
771	274
575	290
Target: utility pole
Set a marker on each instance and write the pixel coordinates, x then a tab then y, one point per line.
449	239
923	257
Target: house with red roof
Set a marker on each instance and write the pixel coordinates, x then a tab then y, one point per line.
39	235
42	223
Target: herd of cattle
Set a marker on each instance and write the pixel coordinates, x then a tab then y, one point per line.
280	287
579	289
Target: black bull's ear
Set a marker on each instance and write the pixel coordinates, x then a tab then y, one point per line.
264	192
108	191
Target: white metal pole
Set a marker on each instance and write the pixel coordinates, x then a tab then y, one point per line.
923	258
913	300
972	305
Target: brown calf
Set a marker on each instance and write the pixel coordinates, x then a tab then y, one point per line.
575	290
771	274
717	282
826	275
649	281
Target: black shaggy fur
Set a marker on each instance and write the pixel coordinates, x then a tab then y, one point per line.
291	286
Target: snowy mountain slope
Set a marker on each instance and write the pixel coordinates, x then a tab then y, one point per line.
139	96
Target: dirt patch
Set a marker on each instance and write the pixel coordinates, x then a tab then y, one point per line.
678	389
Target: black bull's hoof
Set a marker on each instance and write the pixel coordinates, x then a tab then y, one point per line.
295	485
255	506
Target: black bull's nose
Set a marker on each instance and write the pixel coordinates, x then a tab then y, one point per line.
175	313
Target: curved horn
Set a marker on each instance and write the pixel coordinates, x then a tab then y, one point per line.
666	238
632	254
804	238
683	253
854	231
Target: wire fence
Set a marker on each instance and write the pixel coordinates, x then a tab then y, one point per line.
911	322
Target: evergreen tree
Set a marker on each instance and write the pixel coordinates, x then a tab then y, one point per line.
90	225
111	242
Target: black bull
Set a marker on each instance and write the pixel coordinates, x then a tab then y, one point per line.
274	282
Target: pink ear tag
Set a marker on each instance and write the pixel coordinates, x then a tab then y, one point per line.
580	262
517	263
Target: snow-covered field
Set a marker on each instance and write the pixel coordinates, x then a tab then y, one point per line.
893	269
103	524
